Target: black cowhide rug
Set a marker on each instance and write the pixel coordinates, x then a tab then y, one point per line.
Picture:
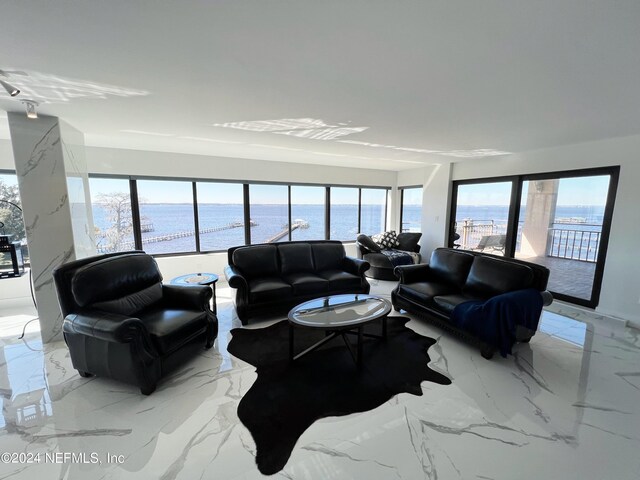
288	397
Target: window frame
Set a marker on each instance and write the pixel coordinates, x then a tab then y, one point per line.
135	205
612	171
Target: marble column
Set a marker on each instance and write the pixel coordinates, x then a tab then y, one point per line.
54	190
542	197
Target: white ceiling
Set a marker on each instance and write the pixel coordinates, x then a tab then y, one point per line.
361	83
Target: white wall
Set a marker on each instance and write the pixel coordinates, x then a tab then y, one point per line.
620	294
162	164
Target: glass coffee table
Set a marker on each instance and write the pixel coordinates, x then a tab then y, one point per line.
339	315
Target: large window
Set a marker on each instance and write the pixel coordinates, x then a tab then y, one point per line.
559	220
308	212
220	215
344	214
411	209
11	222
560	226
269	213
112	219
482	214
373	210
166	216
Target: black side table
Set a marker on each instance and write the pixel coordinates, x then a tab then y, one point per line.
199	279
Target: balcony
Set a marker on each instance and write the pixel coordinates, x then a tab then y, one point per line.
571	251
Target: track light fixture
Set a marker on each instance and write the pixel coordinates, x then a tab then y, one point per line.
11	90
30	106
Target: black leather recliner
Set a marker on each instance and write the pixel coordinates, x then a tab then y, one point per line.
121	322
381	266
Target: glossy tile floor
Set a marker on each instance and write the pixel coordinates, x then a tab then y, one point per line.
566	406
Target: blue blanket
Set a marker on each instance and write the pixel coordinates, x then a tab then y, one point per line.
397	257
495	321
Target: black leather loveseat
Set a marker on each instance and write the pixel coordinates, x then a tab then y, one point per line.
121	322
453	277
272	278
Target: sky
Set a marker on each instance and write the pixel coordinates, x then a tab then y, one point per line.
571	191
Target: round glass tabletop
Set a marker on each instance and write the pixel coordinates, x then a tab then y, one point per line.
339	311
195	279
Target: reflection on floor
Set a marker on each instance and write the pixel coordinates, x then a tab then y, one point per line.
564	406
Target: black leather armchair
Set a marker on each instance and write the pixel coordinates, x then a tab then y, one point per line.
121	322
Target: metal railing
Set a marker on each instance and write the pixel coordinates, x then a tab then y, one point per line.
471	231
580	245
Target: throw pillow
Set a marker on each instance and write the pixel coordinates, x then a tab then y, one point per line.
386	239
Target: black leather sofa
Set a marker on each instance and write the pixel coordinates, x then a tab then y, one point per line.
272	278
381	266
121	322
452	277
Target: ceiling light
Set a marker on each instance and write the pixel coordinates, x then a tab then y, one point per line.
11	90
30	106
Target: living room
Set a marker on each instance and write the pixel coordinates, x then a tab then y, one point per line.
243	123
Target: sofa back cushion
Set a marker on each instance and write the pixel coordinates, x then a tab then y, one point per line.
257	261
328	255
450	267
295	257
493	276
123	285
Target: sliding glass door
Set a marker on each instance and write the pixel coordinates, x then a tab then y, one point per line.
482	216
560	226
560	220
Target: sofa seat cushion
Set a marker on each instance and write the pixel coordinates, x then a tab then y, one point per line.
307	284
447	303
170	329
424	291
268	289
340	281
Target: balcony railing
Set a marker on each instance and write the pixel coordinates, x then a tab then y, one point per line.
573	244
580	245
471	231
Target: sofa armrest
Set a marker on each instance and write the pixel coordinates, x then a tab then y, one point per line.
235	278
547	298
355	266
412	273
187	297
110	327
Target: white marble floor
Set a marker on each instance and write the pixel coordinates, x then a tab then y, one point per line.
566	406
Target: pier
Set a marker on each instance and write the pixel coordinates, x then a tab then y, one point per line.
173	236
285	232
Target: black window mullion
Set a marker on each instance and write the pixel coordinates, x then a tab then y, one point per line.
513	217
401	208
196	221
135	214
327	213
289	211
247	214
359	209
